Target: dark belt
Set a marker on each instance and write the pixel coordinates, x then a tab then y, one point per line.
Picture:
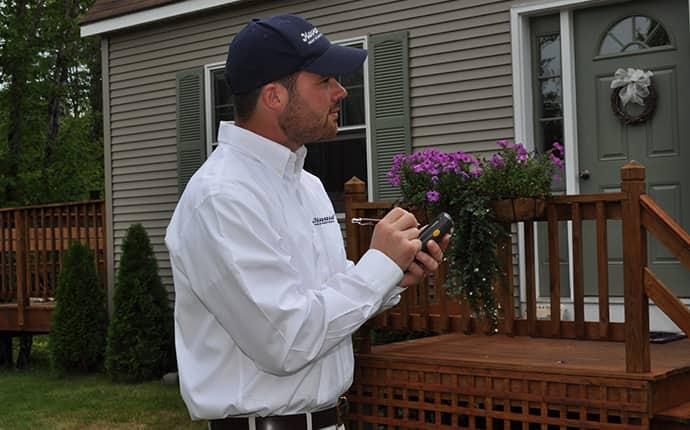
325	418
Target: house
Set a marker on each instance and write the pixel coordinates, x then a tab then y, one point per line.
456	75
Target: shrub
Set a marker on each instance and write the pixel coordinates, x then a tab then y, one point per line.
140	334
80	319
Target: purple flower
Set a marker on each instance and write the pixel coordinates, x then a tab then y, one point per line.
433	196
556	177
434	179
522	154
450	166
558	147
503	143
394	181
555	160
497	161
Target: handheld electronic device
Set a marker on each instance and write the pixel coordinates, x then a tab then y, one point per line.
436	229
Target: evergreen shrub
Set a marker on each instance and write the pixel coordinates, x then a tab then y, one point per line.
140	333
77	339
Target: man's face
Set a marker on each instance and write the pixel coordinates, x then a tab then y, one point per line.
312	110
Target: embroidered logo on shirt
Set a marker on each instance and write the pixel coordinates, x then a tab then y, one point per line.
323	220
311	36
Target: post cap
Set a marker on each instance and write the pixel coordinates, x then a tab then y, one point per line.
633	171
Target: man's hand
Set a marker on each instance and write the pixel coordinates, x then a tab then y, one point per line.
396	235
425	263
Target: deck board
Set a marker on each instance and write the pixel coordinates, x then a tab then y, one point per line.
679	414
559	356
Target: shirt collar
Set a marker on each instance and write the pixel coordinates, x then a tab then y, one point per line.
286	163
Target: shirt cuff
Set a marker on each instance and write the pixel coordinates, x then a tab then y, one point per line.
380	272
394	298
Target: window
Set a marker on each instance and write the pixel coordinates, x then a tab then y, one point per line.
548	86
334	161
223	109
550	101
634	33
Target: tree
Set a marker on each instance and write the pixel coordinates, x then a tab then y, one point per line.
50	104
80	319
140	333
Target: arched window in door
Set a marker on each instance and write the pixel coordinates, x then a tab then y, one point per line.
634	33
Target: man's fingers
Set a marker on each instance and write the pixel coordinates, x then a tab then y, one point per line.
429	262
411	233
404	221
394	214
416	270
445	242
435	250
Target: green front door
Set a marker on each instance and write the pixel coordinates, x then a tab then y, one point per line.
647	35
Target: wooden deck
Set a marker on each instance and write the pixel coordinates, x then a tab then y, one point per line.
36	319
535	374
557	356
33	241
503	382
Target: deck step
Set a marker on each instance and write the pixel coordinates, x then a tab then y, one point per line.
677	415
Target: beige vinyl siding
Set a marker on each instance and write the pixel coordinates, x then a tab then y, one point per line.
460	86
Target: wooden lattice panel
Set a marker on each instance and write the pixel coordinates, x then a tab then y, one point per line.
399	394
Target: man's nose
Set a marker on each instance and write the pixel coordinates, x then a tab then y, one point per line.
339	92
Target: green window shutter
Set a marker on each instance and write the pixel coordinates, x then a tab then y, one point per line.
390	107
191	136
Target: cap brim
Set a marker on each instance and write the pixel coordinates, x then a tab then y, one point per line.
338	60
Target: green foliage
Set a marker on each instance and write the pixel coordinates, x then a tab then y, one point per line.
514	172
140	333
36	398
77	340
471	254
435	181
50	104
463	186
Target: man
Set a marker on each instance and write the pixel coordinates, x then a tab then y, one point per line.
266	301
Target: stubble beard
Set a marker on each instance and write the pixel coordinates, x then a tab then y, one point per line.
302	125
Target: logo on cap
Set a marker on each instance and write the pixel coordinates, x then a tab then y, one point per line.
311	36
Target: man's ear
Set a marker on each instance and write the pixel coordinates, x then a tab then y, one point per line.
274	96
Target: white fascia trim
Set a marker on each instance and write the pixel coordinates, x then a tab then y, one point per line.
151	15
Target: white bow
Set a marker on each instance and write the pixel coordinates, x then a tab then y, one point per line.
636	83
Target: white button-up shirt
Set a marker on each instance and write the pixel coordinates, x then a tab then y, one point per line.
265	299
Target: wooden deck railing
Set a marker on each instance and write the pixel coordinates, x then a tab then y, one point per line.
33	241
427	308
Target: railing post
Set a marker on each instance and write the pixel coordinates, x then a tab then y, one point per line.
637	357
20	264
504	288
355	191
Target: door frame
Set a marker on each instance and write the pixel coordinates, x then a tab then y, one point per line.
523	115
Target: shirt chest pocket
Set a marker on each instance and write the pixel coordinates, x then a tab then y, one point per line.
330	239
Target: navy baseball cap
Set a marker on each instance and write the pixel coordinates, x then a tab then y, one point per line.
270	49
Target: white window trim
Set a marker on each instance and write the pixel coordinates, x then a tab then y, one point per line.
208	92
208	68
523	103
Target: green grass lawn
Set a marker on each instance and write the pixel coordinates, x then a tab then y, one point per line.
37	399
